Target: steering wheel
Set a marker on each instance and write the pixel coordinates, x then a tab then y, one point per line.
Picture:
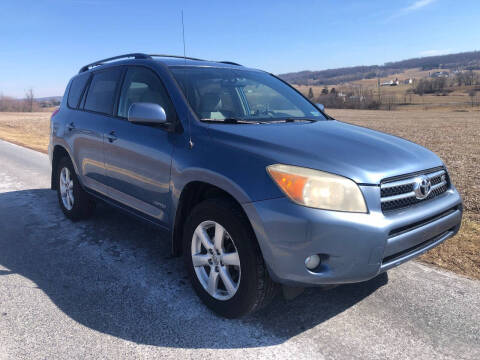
264	112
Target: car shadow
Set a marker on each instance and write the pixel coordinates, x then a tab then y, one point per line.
114	274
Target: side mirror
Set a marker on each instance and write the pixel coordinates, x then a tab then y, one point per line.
321	106
146	113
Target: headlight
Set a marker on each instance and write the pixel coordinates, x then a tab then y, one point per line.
318	189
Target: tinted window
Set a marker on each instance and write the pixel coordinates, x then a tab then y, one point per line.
141	85
101	94
76	89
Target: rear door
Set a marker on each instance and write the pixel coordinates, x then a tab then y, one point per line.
87	126
138	157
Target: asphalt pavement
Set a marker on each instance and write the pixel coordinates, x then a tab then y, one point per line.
107	288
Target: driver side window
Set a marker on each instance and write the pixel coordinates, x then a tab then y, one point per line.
141	85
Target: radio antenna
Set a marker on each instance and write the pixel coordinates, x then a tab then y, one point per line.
190	142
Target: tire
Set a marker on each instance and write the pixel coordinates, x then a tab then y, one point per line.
80	205
253	287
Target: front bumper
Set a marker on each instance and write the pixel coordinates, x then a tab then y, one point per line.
353	247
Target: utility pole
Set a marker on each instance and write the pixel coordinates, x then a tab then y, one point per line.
379	93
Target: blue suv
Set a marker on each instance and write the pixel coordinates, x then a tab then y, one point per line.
255	185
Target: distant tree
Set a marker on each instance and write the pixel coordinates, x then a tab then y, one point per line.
467	78
430	86
29	98
472	78
473	94
310	93
325	91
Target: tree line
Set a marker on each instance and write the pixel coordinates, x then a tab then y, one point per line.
27	104
442	85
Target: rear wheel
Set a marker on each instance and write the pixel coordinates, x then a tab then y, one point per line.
75	203
223	259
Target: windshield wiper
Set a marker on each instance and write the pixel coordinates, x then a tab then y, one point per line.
293	119
231	120
286	120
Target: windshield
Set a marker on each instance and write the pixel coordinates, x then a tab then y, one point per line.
231	94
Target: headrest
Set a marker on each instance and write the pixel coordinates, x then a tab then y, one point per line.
209	102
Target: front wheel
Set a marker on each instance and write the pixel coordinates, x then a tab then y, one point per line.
224	261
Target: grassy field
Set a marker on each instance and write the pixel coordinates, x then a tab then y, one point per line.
453	135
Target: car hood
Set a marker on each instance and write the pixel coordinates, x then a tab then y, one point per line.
363	155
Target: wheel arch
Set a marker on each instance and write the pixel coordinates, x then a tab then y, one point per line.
192	194
59	151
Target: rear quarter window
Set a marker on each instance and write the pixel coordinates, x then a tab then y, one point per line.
101	94
76	90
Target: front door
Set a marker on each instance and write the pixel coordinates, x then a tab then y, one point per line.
138	157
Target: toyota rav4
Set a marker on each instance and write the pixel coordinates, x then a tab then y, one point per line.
255	185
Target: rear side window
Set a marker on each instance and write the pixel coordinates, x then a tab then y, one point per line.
101	94
76	89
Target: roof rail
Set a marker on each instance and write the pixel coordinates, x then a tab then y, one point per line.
145	56
176	56
192	58
101	62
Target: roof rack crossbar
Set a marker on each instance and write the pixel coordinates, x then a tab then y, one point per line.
100	62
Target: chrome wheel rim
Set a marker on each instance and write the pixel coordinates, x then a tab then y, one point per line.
216	260
66	188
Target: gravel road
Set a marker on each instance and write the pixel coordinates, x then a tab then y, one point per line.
108	288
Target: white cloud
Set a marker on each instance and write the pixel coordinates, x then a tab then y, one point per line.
435	52
418	5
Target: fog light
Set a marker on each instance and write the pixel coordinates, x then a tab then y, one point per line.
312	262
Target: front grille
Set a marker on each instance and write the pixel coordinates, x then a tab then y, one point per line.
398	192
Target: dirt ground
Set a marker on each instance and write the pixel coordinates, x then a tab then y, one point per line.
453	135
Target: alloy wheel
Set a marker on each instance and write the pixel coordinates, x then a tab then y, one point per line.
66	188
216	260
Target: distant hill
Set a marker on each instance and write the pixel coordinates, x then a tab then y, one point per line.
461	61
48	102
50	98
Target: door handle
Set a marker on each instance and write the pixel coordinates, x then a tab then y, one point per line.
71	126
111	136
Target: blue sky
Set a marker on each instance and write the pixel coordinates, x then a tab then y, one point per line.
44	42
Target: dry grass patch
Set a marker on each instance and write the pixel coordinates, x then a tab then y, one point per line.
460	253
27	129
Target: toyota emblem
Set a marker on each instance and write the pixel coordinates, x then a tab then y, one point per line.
422	187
